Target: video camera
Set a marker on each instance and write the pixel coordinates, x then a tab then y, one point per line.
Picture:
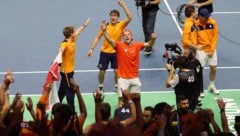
173	51
140	2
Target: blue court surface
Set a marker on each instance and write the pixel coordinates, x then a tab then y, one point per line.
31	31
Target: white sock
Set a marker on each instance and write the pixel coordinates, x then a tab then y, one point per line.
100	85
211	83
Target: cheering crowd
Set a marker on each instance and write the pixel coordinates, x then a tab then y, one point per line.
199	44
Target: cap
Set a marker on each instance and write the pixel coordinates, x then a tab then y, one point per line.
204	13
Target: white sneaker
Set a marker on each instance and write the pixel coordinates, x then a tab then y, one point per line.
202	94
213	90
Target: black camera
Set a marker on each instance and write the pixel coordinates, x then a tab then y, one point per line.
173	51
140	2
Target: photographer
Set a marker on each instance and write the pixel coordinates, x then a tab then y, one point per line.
149	14
184	82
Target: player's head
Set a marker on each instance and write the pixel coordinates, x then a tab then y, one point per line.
114	16
189	11
127	36
203	15
68	31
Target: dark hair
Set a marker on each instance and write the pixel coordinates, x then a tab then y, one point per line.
158	108
65	112
105	111
189	10
192	53
67	31
181	97
182	61
149	108
114	11
55	108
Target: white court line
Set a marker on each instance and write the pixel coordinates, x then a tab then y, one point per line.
173	17
226	13
85	71
142	92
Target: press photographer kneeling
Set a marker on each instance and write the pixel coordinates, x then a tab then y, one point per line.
183	81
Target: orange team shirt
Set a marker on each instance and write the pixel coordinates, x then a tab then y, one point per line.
189	36
68	56
115	32
207	35
128	59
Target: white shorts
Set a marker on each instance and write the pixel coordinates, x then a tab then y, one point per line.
132	84
204	59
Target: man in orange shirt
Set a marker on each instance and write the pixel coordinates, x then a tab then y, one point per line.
207	37
108	53
128	60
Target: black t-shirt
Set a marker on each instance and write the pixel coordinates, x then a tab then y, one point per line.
208	7
195	65
187	83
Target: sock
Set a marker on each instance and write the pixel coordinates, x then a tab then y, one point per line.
100	85
211	83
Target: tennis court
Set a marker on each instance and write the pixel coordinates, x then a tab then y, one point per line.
32	30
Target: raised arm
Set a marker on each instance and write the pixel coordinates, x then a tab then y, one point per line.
221	105
136	97
126	10
133	115
82	117
80	29
106	35
98	99
29	106
151	42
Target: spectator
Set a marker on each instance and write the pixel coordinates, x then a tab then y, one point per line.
162	112
102	116
175	128
147	117
108	53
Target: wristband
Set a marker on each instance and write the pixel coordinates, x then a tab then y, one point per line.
222	110
84	25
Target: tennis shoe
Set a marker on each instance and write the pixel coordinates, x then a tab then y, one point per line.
213	90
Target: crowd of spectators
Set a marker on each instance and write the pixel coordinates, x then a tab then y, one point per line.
158	120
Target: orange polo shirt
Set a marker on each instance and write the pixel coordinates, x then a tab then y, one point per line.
128	59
